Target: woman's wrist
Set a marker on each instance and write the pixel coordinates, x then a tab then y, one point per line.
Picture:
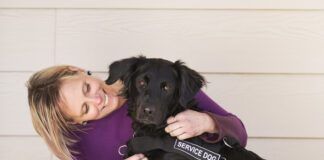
211	126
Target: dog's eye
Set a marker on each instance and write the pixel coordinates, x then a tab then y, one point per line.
142	83
164	86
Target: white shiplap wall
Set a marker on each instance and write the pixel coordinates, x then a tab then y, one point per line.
263	59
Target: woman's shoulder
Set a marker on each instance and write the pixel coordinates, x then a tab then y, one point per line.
107	134
116	124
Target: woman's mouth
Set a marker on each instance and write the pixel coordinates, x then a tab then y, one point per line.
106	100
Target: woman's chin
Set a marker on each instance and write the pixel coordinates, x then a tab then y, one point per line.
111	107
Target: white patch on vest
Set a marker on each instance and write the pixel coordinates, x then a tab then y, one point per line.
195	151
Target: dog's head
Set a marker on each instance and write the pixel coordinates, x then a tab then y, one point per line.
155	88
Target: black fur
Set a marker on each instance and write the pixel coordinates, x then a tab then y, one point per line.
157	89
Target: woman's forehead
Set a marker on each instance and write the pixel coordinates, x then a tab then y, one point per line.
71	95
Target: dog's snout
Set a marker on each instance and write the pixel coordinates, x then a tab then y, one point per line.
148	110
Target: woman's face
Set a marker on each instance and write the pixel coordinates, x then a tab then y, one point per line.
86	98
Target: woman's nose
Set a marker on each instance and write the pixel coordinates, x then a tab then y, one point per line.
95	99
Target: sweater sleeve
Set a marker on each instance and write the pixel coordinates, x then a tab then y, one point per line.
227	123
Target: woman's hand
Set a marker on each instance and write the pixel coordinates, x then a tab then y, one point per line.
190	124
137	157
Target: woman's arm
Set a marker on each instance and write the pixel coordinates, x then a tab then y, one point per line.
212	124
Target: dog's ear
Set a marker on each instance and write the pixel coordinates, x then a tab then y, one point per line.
190	82
122	69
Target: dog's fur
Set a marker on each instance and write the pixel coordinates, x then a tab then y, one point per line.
157	89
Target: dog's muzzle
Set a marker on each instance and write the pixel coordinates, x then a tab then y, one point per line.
149	115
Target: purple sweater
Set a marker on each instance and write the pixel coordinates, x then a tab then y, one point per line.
105	138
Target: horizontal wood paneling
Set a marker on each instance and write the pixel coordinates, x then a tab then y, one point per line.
191	4
26	39
209	40
20	147
15	117
235	43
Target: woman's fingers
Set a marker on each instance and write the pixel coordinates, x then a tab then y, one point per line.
189	124
137	157
171	120
173	126
184	136
178	128
177	132
181	133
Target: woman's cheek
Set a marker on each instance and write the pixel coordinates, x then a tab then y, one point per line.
94	114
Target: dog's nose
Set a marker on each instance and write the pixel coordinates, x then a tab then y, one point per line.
148	110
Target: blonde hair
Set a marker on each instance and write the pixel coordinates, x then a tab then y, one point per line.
48	120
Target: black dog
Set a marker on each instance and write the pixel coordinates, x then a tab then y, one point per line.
157	89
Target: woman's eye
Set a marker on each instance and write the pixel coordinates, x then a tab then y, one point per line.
85	108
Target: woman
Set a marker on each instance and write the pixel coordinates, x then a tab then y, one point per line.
80	117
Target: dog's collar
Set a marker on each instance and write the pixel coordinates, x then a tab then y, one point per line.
159	130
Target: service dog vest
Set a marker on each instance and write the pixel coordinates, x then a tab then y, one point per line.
194	149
